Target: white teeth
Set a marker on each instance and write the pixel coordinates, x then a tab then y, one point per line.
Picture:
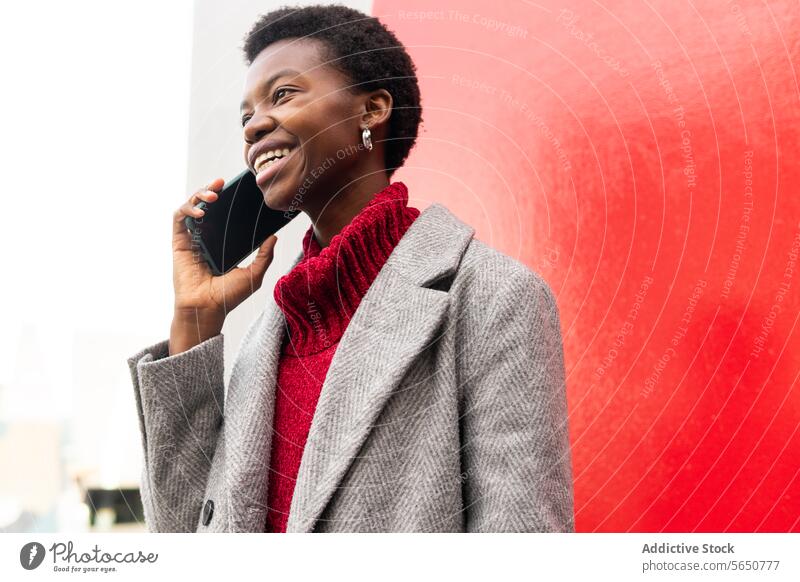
269	157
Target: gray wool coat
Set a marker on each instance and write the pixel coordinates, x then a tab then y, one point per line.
443	410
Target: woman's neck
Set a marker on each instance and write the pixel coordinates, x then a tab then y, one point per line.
338	211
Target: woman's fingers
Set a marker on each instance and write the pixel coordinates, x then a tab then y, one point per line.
216	185
205	195
208	195
188	209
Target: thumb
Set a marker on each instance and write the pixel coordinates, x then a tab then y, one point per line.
263	259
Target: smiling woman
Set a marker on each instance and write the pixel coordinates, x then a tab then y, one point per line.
444	408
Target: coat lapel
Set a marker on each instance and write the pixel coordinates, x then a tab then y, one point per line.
249	409
395	321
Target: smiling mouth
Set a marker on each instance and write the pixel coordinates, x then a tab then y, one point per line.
269	158
269	164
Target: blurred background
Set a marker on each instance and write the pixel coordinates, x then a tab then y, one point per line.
641	156
95	118
115	114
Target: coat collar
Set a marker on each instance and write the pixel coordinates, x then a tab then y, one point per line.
397	318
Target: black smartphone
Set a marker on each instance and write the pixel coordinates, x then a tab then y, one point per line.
235	224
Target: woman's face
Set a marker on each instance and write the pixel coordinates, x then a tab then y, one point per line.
293	101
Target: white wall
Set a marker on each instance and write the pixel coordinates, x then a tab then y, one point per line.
94	117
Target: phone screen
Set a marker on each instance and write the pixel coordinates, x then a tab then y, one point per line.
235	224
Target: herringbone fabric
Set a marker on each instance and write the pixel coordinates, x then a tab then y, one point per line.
444	407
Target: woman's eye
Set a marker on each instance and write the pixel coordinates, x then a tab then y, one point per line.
275	97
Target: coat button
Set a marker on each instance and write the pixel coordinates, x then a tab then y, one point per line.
208	511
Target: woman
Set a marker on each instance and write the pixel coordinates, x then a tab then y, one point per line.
444	408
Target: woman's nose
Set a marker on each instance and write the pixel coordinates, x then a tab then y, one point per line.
257	126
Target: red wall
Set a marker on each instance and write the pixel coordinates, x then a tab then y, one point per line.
557	133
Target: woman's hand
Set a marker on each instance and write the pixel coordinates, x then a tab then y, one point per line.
202	300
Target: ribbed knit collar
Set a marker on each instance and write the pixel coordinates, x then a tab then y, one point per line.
322	292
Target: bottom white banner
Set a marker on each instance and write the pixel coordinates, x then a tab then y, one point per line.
400	556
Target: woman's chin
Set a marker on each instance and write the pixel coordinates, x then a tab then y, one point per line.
279	199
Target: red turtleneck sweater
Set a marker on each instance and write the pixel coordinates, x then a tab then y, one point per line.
318	298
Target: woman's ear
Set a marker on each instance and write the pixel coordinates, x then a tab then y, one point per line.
377	109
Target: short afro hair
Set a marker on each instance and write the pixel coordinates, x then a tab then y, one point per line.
364	50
